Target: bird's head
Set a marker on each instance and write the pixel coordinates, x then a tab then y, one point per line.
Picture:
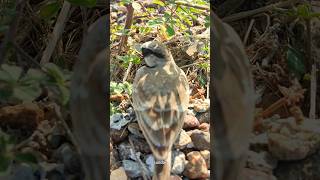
155	54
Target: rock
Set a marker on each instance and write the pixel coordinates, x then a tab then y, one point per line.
206	156
201	106
190	122
57	137
21	171
21	114
118	174
52	170
308	168
291	141
200	139
290	148
45	127
204	127
135	129
263	162
55	175
25	117
259	142
150	163
140	144
196	167
69	157
183	140
118	136
178	162
203	117
132	168
114	159
125	150
118	120
250	174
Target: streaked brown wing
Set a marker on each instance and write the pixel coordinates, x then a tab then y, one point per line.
160	101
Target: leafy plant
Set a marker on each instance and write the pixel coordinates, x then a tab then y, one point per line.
58	80
119	88
303	12
295	62
16	86
12	86
126	59
7	155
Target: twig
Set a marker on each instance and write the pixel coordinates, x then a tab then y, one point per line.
245	14
127	26
57	32
25	55
9	35
313	93
127	72
66	127
191	5
248	32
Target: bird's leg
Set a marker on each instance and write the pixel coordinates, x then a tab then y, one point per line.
162	169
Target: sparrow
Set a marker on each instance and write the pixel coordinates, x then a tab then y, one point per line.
87	101
233	101
160	99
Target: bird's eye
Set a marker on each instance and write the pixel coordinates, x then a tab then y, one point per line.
146	52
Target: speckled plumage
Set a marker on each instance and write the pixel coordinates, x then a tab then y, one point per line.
160	99
233	101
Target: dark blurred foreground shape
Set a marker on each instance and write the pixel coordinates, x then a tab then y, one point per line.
88	101
233	104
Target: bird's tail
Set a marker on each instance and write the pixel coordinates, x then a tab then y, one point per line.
162	169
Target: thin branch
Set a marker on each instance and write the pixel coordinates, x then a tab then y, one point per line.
313	93
248	32
193	6
270	7
127	72
127	26
57	32
10	34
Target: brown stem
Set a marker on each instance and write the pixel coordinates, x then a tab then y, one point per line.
127	26
245	14
273	107
56	33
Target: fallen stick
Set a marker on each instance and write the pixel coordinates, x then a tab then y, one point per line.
241	15
57	32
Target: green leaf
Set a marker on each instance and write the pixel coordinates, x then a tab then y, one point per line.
126	1
25	157
158	2
55	73
4	162
10	73
303	11
295	62
49	10
26	93
33	75
202	81
155	22
87	3
207	21
170	30
65	94
127	87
